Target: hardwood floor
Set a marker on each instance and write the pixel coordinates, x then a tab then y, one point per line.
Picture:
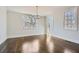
38	44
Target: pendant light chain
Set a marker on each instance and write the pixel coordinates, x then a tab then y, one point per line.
37	16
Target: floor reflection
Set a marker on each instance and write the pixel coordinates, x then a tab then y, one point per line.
31	47
66	50
50	44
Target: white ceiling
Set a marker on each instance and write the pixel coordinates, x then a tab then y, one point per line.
43	10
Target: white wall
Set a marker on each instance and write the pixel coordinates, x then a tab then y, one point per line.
58	29
3	25
16	28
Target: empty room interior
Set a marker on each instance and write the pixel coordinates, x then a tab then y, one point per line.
39	29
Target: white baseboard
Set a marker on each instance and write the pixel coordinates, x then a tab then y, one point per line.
22	35
66	38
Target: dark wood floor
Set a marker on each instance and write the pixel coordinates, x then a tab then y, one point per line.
14	45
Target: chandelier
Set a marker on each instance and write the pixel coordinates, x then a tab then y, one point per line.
31	19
